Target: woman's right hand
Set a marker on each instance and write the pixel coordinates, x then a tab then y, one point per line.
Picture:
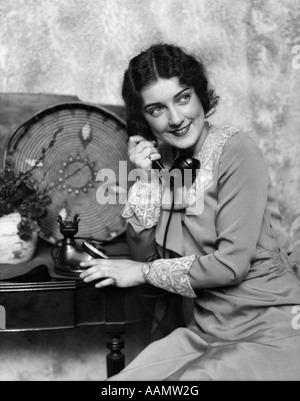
139	150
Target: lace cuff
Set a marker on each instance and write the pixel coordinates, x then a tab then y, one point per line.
171	275
145	202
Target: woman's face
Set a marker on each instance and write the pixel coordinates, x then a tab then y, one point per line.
174	114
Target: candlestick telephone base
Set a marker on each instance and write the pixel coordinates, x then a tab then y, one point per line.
68	253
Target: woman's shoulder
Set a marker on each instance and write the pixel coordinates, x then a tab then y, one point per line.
238	148
234	140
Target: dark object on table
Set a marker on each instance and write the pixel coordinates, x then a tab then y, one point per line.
69	254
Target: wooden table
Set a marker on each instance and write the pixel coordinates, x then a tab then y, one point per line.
38	301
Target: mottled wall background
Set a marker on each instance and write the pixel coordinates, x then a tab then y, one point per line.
81	47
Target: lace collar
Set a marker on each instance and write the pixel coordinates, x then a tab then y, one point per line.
209	156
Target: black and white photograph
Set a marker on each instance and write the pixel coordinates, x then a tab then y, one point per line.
149	193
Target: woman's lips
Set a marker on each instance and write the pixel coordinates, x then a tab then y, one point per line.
181	131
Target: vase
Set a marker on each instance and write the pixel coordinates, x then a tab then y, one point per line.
14	250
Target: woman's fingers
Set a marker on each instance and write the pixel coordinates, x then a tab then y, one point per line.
96	273
134	140
148	156
90	263
138	144
143	153
119	272
106	282
95	269
91	275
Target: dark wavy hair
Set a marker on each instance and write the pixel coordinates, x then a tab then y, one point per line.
162	61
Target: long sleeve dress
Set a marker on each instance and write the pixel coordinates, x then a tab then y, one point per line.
232	257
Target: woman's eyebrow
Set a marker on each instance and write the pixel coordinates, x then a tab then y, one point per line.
175	97
180	93
152	104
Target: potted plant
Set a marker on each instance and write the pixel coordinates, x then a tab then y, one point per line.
21	207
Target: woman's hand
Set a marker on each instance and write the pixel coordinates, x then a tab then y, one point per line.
139	150
119	272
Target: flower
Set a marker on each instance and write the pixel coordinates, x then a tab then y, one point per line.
19	193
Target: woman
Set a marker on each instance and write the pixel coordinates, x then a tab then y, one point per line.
223	245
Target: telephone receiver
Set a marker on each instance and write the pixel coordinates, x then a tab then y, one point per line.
181	163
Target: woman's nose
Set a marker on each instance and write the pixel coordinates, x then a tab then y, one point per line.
175	117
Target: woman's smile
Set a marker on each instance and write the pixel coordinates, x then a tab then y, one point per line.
174	114
182	131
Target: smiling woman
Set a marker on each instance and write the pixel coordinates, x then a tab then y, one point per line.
178	117
225	248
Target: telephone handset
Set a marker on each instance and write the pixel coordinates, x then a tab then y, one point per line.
181	163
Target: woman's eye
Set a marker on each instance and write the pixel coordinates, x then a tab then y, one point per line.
184	99
157	111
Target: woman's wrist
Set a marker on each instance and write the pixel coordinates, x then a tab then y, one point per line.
146	270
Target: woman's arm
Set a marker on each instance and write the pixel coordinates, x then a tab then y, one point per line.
242	197
142	213
141	241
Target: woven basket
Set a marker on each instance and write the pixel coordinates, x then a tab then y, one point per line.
80	139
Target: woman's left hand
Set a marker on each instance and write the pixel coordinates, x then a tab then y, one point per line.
119	272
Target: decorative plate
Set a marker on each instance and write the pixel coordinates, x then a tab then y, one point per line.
72	142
